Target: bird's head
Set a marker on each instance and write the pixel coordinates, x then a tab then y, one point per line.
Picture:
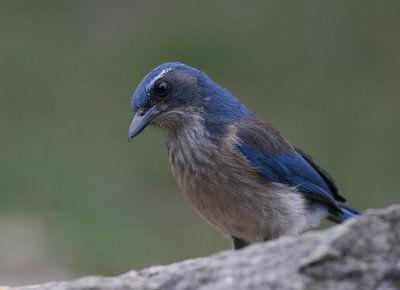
173	94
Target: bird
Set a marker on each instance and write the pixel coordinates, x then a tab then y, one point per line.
234	168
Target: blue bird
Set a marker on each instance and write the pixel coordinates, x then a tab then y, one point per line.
235	169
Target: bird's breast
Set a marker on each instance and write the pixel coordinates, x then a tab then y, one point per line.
215	180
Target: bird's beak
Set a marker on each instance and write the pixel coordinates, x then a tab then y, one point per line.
140	121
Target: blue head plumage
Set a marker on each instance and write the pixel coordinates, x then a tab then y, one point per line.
187	88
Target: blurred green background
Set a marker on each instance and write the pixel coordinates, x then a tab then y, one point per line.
76	198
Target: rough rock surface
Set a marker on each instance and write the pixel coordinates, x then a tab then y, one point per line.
362	253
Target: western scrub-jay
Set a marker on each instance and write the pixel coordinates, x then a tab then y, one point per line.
235	169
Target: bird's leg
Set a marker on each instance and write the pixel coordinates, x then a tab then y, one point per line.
238	243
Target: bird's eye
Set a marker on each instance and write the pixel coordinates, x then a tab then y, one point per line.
162	89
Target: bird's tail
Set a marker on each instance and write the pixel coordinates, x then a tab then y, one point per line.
347	212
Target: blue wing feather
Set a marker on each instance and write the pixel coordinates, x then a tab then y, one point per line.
279	162
288	168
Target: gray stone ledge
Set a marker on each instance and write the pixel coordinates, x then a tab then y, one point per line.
362	253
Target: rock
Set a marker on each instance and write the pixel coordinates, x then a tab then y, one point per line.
362	253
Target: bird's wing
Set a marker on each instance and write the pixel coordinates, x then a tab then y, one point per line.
325	176
276	160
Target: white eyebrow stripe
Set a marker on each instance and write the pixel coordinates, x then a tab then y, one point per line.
163	72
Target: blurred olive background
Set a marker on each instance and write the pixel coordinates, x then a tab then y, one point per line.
76	198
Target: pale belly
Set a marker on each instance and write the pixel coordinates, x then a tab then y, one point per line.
243	206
